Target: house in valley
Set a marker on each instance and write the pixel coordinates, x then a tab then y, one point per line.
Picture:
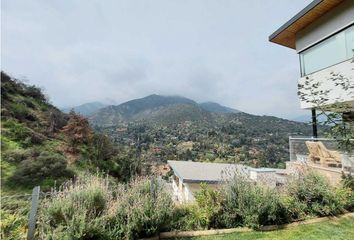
188	176
322	34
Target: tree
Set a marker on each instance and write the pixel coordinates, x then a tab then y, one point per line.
78	130
269	156
101	148
314	92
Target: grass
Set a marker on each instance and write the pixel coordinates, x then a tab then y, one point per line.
338	229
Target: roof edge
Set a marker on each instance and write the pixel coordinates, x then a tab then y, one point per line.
300	14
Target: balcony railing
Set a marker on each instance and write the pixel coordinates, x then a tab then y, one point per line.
322	152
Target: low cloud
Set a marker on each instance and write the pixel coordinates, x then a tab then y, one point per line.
119	50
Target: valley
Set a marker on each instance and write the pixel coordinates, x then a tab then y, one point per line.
43	145
162	128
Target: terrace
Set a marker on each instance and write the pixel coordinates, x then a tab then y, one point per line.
321	154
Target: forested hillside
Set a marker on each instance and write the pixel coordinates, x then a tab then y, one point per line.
162	128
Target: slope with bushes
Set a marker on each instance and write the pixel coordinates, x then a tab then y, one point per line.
31	142
43	146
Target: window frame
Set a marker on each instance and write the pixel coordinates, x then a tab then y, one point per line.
302	73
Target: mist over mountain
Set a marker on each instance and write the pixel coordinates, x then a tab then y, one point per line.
157	108
217	108
167	110
86	109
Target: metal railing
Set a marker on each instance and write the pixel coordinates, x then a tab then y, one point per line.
321	151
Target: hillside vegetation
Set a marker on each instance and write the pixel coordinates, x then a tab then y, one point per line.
42	145
33	150
157	126
96	208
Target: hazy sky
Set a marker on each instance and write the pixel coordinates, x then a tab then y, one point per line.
108	50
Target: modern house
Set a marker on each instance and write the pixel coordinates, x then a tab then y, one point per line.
188	176
322	34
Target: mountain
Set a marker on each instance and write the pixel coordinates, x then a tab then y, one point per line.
217	108
170	127
156	108
151	108
307	118
86	109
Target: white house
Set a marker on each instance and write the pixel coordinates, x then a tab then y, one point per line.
188	175
322	34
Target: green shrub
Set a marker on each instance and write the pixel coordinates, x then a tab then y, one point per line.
345	198
314	192
248	204
94	208
24	135
29	103
193	217
16	155
12	225
348	181
14	217
182	218
141	211
296	210
76	212
35	92
209	207
15	130
20	111
46	165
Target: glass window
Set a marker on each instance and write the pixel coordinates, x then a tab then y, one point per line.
349	38
333	50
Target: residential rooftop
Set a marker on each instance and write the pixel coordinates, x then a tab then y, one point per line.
189	171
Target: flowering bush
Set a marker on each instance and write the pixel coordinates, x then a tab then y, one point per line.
252	205
95	208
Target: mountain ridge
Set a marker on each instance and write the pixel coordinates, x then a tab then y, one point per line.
85	109
157	108
217	108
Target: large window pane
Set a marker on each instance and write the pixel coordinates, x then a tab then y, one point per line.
349	37
336	49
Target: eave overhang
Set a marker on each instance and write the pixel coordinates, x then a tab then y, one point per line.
286	34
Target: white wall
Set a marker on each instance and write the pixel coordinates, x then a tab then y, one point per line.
336	93
175	190
268	178
184	192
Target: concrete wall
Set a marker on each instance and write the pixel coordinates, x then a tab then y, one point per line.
184	192
331	22
267	178
333	176
337	94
